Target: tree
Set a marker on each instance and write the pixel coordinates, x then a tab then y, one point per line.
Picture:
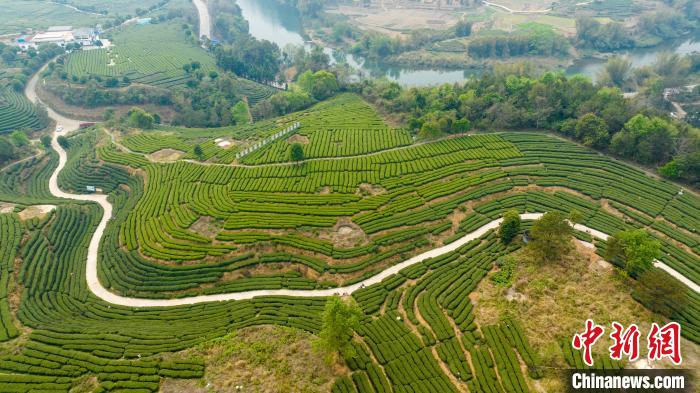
310	7
429	130
198	152
684	167
19	138
7	150
463	28
45	141
660	292
339	320
592	131
510	227
239	113
616	71
112	82
551	237
138	118
635	249
63	142
320	84
297	152
647	140
250	58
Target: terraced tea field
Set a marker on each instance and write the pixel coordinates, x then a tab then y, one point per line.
327	132
185	228
150	54
324	132
19	15
16	112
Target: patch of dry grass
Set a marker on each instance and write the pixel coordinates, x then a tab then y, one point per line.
85	384
260	359
555	300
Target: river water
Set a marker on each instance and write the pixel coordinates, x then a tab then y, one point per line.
282	25
639	57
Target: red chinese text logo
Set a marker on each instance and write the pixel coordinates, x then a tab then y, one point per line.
586	340
624	342
663	342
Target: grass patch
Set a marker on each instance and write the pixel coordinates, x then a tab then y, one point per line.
263	359
553	301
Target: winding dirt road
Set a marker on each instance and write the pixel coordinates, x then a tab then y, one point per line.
512	11
70	125
204	19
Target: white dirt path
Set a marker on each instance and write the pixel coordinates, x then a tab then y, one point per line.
204	19
105	294
516	11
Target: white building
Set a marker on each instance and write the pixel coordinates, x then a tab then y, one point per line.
63	35
59	35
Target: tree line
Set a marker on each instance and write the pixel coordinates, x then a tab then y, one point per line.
238	51
598	117
526	44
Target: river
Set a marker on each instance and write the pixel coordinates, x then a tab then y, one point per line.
639	57
282	25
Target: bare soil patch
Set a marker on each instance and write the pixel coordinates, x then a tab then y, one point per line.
166	155
36	211
347	234
225	143
269	269
370	189
297	138
206	226
325	190
7	207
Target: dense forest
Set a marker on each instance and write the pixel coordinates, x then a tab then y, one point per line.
238	51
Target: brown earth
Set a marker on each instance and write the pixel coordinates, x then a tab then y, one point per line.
347	234
370	189
297	138
206	226
166	155
35	211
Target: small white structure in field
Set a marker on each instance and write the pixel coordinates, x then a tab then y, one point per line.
269	140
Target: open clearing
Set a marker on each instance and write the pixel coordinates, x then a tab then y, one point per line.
39	211
397	20
166	155
266	359
553	299
510	22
